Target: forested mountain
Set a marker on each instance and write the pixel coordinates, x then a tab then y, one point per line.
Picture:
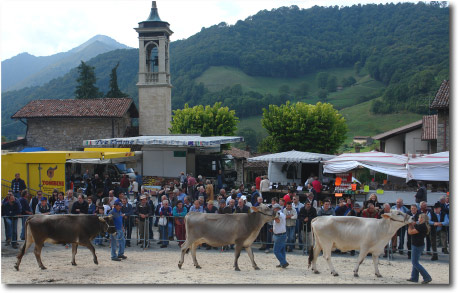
25	70
405	46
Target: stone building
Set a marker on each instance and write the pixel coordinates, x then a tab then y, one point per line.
441	104
64	124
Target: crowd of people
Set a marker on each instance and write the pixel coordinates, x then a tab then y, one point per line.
134	206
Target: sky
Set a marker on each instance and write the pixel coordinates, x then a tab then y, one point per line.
47	27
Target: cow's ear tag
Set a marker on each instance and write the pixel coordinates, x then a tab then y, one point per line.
254	209
386	216
101	219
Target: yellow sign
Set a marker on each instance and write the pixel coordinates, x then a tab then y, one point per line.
366	188
52	177
379	191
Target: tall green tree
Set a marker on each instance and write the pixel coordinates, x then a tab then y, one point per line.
322	79
86	88
206	121
114	91
303	127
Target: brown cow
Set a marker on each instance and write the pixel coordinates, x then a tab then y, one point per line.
224	229
62	229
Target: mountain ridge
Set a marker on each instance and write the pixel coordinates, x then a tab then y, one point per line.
25	69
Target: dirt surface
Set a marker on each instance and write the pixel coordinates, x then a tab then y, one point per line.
160	266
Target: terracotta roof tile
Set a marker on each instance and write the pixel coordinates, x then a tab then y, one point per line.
105	107
441	101
237	153
429	129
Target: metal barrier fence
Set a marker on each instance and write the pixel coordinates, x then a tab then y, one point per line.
168	233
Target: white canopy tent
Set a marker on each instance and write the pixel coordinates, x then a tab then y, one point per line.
293	156
276	172
434	167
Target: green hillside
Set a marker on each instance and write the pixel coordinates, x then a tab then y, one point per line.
217	78
361	121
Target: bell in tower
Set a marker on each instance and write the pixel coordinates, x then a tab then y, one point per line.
154	85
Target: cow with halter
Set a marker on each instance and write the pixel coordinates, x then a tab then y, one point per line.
62	229
346	233
225	229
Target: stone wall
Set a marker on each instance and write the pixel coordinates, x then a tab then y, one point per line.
155	109
443	131
67	134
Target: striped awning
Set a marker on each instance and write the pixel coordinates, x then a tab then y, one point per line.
166	140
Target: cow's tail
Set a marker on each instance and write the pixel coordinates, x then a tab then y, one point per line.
26	236
21	253
313	247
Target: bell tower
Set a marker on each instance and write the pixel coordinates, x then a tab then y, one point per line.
154	87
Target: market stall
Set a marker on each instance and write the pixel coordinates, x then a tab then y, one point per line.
292	168
433	167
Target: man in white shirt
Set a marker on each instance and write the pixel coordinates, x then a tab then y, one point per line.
264	186
279	229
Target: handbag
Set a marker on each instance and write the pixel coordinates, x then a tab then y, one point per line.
162	221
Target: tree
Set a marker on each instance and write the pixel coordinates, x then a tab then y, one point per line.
206	121
86	88
331	84
303	90
114	91
322	79
251	137
284	90
322	95
303	127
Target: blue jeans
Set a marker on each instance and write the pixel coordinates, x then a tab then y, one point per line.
299	234
291	236
269	236
280	248
24	218
119	240
170	227
164	234
11	228
417	267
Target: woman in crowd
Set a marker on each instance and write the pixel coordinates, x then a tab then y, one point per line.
418	233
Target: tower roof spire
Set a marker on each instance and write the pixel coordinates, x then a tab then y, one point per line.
153	19
154	15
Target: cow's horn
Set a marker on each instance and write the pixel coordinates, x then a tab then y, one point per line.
101	219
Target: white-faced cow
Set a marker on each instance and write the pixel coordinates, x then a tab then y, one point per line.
224	229
62	229
367	235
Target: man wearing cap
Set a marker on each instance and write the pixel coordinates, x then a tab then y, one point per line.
306	215
223	209
43	207
143	211
438	220
118	239
356	211
312	200
279	237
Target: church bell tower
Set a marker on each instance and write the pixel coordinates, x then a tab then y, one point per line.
154	86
